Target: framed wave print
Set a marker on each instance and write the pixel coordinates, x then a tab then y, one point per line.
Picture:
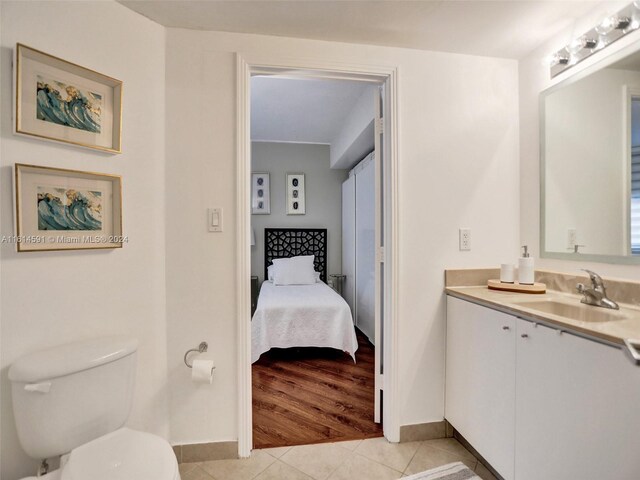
59	209
260	194
61	101
295	194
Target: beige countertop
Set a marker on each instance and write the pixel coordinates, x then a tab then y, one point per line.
625	323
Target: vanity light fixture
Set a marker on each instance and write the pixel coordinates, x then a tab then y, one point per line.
610	29
581	42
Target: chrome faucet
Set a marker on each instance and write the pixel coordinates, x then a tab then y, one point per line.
597	294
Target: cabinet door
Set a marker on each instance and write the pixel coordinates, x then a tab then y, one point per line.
349	242
480	380
577	405
366	250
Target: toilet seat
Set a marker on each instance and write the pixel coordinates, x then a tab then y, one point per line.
122	455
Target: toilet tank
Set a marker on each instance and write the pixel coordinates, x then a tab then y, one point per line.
66	396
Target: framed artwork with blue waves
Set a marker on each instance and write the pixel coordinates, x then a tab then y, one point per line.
61	209
61	101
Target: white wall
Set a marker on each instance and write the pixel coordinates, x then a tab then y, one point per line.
458	167
356	137
586	168
50	298
534	78
323	187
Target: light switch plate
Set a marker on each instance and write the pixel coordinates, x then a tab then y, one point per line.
214	219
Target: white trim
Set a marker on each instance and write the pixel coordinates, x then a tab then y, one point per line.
391	413
243	262
246	66
379	314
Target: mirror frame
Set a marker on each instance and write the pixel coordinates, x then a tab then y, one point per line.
599	65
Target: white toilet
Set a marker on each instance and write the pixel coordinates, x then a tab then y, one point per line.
73	401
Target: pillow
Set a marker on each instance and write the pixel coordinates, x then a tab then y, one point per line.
317	275
270	272
294	271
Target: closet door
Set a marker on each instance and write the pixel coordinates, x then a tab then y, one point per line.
349	242
366	248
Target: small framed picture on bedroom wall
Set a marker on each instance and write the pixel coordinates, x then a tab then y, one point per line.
260	194
295	194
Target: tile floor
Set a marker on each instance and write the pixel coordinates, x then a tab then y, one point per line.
373	459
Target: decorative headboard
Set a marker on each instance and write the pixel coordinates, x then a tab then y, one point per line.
291	242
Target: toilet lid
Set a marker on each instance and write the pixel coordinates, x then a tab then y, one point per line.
122	455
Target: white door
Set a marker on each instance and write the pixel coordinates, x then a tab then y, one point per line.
481	380
378	161
576	408
349	242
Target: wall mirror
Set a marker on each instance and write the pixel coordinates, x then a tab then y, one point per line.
590	164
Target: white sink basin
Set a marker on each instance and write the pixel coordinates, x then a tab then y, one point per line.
577	311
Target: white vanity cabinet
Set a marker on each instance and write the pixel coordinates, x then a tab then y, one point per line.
480	380
577	408
538	403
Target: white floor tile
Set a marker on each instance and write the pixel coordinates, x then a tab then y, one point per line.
318	461
358	467
281	471
393	455
276	452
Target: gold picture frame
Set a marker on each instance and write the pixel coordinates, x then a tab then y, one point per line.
64	102
62	209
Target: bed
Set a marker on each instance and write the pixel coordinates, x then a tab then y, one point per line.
300	315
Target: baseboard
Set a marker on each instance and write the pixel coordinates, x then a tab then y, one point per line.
422	431
204	452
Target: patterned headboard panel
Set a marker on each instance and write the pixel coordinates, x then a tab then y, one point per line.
290	242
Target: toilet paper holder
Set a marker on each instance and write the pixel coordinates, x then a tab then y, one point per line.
203	347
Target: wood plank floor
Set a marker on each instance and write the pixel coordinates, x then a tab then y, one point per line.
313	395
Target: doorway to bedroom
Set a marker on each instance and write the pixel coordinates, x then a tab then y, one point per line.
316	216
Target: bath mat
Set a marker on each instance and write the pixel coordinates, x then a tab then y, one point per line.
451	471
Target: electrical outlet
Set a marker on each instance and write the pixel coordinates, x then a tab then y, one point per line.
572	238
465	239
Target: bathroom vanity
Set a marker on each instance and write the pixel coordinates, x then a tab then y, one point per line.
542	386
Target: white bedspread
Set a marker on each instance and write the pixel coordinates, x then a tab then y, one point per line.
301	316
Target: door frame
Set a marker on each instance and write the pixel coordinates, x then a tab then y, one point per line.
246	66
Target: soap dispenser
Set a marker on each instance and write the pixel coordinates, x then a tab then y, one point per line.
525	267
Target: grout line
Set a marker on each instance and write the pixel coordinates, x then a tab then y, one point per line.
404	472
202	470
449	451
296	469
379	463
265	468
335	469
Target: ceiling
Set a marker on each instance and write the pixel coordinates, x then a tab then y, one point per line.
301	110
508	28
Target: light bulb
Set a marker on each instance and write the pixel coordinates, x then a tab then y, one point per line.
575	46
548	60
607	25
